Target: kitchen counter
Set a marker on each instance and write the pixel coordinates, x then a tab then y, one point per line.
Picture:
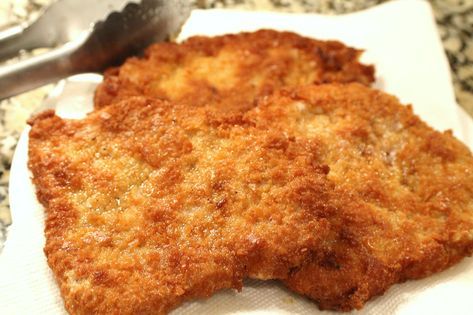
454	20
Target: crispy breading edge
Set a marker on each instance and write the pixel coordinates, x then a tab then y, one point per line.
349	274
52	176
435	260
332	62
61	215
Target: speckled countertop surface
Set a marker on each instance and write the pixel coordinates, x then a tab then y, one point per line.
454	20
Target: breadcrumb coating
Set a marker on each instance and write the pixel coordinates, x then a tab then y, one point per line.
337	190
149	204
408	191
231	72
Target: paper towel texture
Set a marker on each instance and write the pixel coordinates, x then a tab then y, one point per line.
401	40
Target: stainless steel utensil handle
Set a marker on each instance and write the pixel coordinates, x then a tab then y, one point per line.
37	71
18	38
11	42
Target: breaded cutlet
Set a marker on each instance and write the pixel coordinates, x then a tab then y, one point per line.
337	190
231	72
408	191
149	204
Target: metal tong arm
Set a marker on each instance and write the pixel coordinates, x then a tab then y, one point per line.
39	70
12	42
27	37
21	37
98	46
55	25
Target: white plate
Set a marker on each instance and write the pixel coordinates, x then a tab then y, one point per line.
400	38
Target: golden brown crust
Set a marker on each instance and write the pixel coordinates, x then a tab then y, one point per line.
149	204
232	71
408	191
338	190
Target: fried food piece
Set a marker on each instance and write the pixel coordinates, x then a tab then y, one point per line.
149	204
231	72
408	188
338	190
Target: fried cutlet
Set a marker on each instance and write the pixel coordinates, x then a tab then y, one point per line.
408	191
150	203
231	72
338	190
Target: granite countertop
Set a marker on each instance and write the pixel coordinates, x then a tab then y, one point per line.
454	20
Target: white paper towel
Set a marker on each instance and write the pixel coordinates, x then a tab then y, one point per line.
401	40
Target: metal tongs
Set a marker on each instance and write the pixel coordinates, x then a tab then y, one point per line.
85	36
